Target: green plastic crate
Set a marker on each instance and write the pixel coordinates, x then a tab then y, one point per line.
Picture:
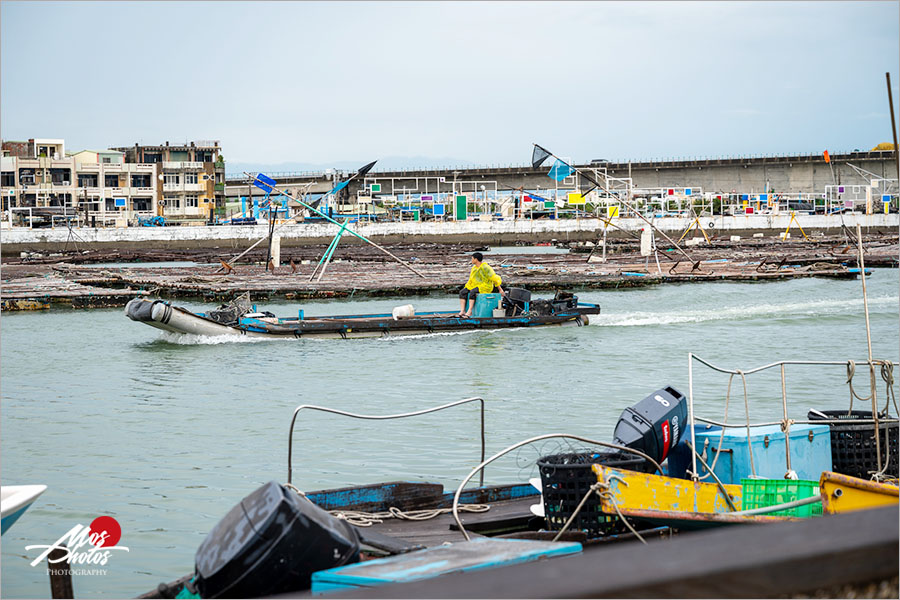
759	493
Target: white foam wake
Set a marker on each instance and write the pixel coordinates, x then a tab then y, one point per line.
739	313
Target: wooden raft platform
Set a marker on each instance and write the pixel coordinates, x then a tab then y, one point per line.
361	271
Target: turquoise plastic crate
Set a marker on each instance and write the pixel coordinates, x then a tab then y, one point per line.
485	305
759	493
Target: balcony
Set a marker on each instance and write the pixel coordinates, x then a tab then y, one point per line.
173	187
143	191
182	165
140	167
88	168
195	187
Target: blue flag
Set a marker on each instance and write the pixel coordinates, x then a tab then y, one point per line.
560	171
339	187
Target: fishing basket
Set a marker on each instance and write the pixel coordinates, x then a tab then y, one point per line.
566	478
853	450
760	493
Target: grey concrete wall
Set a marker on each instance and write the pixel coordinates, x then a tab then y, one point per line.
801	173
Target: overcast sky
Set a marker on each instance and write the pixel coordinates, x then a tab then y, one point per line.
321	83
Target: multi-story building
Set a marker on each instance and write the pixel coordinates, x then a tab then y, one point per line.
108	189
192	178
37	174
114	187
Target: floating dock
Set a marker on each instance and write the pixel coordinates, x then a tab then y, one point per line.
35	282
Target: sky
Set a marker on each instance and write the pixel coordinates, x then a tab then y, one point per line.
308	84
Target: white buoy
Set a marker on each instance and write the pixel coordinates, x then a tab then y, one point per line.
406	310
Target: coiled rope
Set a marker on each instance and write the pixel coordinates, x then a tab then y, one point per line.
886	370
367	519
361	518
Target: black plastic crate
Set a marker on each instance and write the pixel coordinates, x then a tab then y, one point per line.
566	478
853	449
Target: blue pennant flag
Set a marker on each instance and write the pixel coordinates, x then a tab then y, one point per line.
560	171
339	187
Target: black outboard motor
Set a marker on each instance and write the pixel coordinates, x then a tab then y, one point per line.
516	301
655	424
271	543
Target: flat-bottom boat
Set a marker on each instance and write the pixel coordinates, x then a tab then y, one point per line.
242	318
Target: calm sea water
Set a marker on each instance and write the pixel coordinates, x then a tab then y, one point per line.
166	433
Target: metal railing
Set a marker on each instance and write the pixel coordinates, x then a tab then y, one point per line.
785	422
382	418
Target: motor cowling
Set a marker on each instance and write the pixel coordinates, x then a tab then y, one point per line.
655	424
271	543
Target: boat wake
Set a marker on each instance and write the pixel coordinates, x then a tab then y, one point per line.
192	339
813	308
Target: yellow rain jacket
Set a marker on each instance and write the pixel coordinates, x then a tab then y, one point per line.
483	278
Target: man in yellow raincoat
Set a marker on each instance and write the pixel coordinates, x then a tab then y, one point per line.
482	279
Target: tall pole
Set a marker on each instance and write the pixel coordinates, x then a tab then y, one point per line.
893	131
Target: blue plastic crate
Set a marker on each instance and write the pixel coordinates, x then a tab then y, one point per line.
810	452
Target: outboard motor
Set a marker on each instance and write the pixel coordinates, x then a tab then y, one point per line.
516	301
271	543
655	424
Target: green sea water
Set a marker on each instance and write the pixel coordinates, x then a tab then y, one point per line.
166	433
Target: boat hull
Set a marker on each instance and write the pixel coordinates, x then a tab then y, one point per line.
843	493
166	317
15	501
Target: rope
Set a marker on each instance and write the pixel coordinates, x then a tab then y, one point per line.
886	370
747	412
367	519
717	480
601	488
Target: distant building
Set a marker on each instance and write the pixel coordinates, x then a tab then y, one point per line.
116	186
37	173
108	188
192	178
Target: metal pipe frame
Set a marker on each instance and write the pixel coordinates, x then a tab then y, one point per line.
382	418
785	423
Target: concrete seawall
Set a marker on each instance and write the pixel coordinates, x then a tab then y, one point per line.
13	241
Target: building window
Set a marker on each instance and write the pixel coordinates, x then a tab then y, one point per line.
141	181
106	160
151	157
87	181
204	157
141	204
8	179
190	178
172	202
190	201
26	176
171	178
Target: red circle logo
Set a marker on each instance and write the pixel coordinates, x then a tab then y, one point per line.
108	526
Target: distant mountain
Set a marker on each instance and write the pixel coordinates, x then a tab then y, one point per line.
388	163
